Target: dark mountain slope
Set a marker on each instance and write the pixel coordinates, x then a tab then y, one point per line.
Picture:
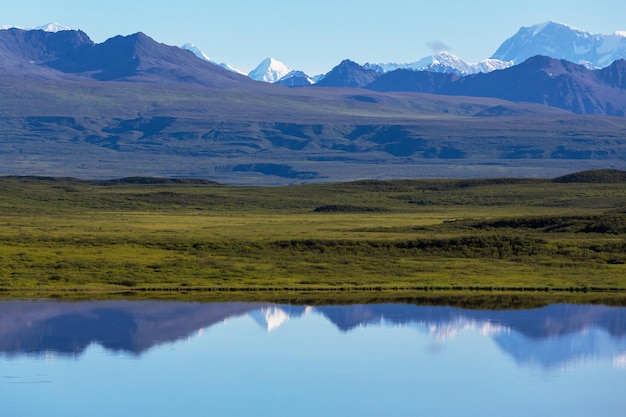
548	81
39	46
416	81
540	79
348	74
35	53
614	75
139	58
71	55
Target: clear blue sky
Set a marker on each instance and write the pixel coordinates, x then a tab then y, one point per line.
316	35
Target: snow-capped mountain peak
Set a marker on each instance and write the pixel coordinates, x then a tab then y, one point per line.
269	70
50	27
444	62
561	41
53	27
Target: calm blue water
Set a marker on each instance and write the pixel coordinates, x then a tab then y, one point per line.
237	359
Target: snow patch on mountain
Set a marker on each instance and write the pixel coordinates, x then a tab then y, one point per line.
196	51
269	70
200	54
53	27
444	62
231	68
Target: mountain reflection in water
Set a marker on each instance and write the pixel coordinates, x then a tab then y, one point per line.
549	337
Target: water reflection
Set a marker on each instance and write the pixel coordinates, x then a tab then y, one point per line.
120	358
553	337
37	327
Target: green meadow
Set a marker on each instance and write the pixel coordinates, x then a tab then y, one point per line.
146	235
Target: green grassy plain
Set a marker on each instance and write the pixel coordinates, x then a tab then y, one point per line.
372	237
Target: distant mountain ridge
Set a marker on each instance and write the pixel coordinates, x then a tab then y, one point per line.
552	39
58	53
131	106
444	62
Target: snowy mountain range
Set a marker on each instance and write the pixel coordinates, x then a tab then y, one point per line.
444	62
561	41
273	71
552	39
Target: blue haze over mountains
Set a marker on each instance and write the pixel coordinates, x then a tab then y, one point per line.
170	113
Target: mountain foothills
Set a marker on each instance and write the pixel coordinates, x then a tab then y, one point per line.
133	106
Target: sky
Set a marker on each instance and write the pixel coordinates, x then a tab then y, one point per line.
317	35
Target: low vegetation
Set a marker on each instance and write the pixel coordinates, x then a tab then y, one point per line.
374	238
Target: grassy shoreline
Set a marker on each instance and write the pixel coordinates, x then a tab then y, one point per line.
471	299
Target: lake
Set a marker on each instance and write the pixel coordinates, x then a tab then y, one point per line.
149	358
